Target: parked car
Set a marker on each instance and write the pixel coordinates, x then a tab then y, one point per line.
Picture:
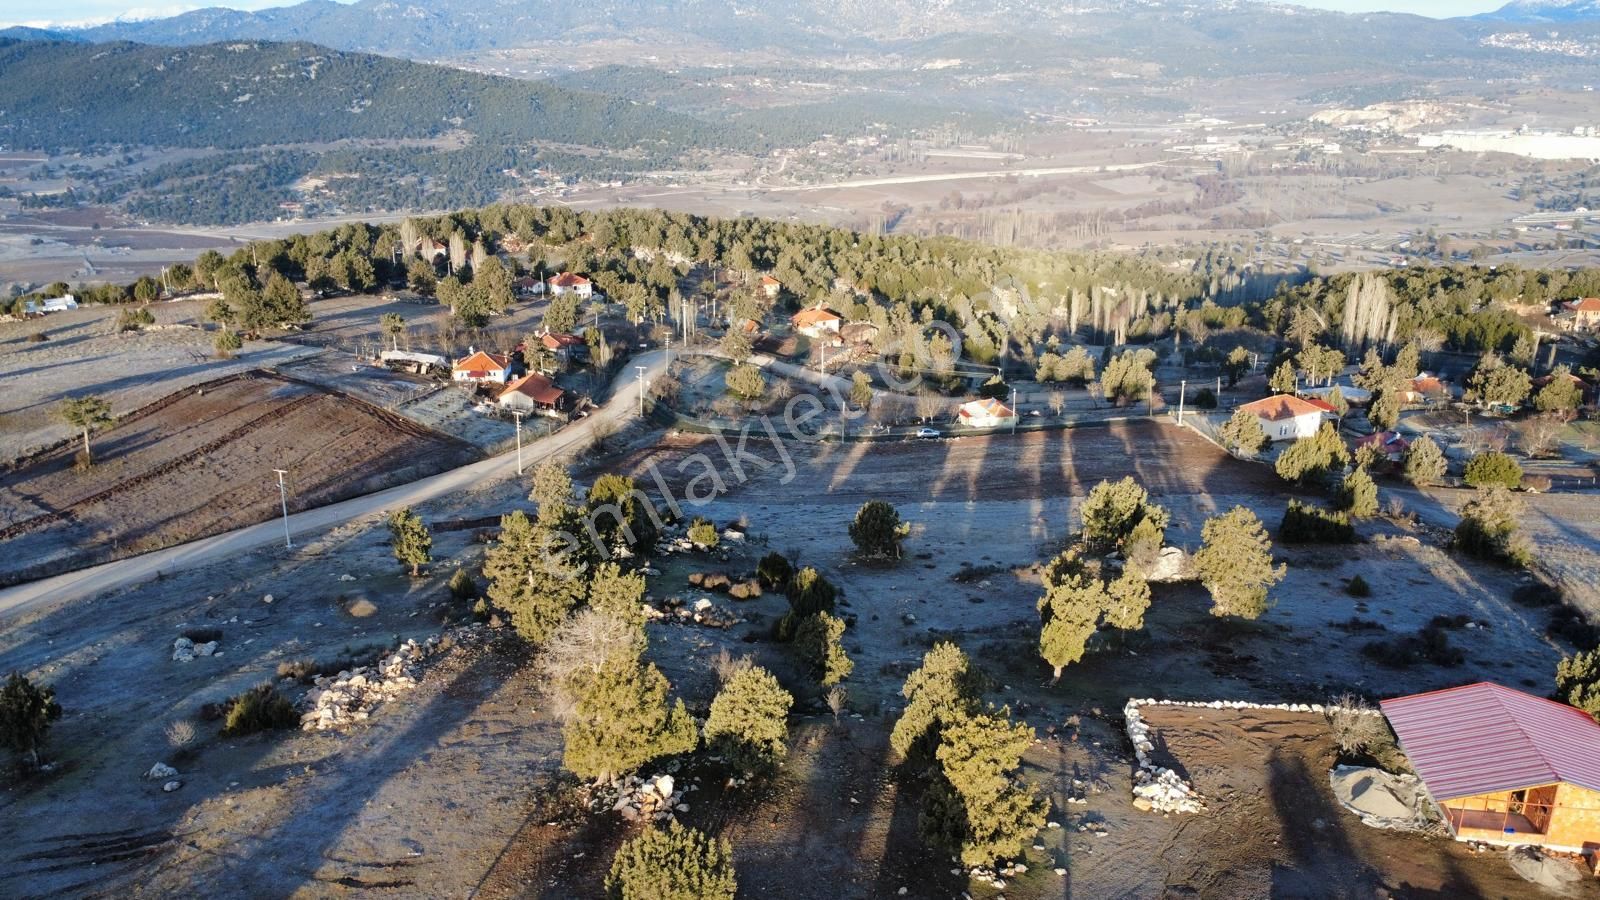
929	433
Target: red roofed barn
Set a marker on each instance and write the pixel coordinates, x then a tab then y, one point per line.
1505	767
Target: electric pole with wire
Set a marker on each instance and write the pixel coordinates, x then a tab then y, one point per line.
283	499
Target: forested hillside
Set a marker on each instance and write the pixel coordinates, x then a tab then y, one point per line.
67	95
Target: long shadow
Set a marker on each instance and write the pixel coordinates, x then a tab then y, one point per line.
1323	861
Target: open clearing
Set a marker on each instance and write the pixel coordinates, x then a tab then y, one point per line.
455	789
199	462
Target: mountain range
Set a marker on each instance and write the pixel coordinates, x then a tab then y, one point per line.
1204	30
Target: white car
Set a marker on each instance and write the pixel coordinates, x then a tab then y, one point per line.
929	433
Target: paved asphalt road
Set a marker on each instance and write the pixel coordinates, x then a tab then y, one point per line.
623	406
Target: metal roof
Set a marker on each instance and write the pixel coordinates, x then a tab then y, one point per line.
1484	738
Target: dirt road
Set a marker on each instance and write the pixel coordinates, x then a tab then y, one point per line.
87	582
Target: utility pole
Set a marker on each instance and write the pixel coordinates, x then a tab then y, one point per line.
669	353
283	498
641	389
517	414
822	364
1183	387
1015	412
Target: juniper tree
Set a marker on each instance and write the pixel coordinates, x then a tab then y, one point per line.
1235	564
621	515
1578	682
26	711
672	863
1424	462
979	756
1069	613
943	690
746	382
86	414
877	530
808	593
748	722
1493	468
817	638
1112	509
623	720
1127	600
1358	494
409	537
617	593
1243	432
1313	458
532	576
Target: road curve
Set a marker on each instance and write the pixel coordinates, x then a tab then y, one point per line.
623	406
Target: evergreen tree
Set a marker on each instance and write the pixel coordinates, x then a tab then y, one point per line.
86	414
1314	458
748	723
1113	509
980	756
410	538
623	720
617	593
877	530
942	691
672	863
1243	432
531	578
1358	494
1283	380
808	593
1493	468
1578	682
1235	564
1424	462
818	641
26	711
1069	615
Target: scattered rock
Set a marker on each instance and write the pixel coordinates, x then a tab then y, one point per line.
160	770
171	786
361	608
267	599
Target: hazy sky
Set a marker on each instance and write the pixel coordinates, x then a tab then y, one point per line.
42	12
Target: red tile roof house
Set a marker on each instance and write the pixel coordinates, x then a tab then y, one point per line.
1505	767
1423	388
479	367
564	347
569	283
770	286
815	322
531	393
986	413
1285	417
1581	315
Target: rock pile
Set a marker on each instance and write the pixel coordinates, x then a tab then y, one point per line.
702	612
1155	787
185	650
353	694
649	799
160	770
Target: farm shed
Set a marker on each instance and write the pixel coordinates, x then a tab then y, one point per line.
1505	767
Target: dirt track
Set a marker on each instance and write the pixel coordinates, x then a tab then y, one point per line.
199	462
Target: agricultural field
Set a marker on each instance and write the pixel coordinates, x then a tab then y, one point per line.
199	462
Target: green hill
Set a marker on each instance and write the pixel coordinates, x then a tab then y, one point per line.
61	96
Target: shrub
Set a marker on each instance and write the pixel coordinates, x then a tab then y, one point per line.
1314	458
1356	726
1493	468
877	530
1304	523
672	863
26	711
410	539
1206	399
1243	432
1358	587
134	319
1424	462
180	733
1570	625
463	586
1113	509
38	337
1537	594
1488	528
1429	644
703	534
227	344
774	570
261	708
